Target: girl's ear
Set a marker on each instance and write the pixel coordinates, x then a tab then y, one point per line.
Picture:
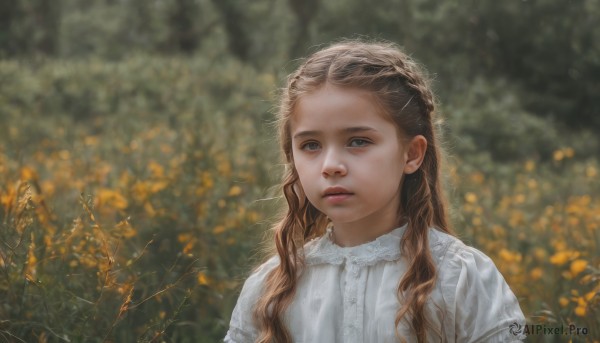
415	154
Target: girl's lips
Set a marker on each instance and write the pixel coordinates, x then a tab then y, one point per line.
337	198
336	194
337	190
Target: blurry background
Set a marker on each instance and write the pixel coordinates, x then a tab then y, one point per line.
138	166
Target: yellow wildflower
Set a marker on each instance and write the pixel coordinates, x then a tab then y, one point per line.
47	187
203	279
224	167
158	186
30	270
156	169
573	221
91	140
219	230
140	191
184	237
532	183
519	198
509	256
586	279
540	254
477	178
189	246
569	152
253	216
563	301
560	258
27	173
589	296
207	180
581	306
235	190
567	275
149	209
536	273
591	172
529	165
578	266
559	245
64	154
125	229
559	155
8	198
111	198
470	197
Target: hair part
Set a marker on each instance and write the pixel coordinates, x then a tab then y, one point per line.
402	91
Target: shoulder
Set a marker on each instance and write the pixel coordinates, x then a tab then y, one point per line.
242	327
439	243
255	281
480	306
454	257
449	252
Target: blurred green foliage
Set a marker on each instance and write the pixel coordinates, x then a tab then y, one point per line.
544	49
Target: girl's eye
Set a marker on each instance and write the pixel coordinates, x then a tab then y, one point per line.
310	146
359	143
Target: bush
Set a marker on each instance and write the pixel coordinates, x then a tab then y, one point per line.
488	118
165	155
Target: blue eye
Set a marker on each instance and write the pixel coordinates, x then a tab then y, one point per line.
310	146
359	143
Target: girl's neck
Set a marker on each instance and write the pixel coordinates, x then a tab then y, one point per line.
350	231
354	234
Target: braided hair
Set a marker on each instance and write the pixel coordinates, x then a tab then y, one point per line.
403	92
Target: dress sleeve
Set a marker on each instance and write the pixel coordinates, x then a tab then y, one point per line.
241	327
480	306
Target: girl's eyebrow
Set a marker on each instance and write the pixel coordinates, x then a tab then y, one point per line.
347	130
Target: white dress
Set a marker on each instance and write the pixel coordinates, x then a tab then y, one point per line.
349	295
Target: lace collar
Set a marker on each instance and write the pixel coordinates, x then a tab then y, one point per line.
385	248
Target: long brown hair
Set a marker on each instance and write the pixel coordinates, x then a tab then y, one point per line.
403	92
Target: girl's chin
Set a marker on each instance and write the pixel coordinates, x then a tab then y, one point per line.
342	220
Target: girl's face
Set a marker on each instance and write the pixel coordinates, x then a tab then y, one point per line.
349	158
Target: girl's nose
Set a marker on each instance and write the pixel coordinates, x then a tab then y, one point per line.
333	165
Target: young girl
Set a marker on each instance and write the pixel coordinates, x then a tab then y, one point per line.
364	250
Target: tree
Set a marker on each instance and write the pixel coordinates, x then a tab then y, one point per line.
183	25
234	21
29	27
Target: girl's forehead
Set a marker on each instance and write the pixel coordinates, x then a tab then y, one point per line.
339	110
331	105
